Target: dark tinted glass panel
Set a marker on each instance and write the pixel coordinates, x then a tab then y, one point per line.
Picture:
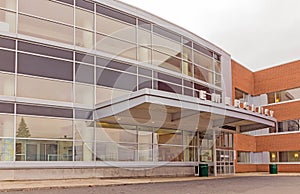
200	87
116	14
188	83
203	50
144	24
145	72
84	58
168	87
145	83
116	79
71	2
44	111
41	66
166	33
169	78
84	73
84	114
7	61
188	92
43	50
6	108
116	65
7	43
84	4
217	57
187	42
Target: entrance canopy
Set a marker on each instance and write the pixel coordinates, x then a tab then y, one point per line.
163	109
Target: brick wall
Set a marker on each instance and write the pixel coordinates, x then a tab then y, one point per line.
244	143
242	78
283	77
286	111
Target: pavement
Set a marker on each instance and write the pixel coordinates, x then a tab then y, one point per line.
21	185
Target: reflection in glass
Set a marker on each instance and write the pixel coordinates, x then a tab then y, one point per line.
84	38
7	86
7	149
45	89
116	47
6	125
203	60
84	19
84	94
144	55
44	29
8	4
46	150
104	94
167	46
47	9
7	21
144	38
84	136
166	61
115	28
42	127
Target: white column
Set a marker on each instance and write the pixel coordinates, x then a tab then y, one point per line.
214	153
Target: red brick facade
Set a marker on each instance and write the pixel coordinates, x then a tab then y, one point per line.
274	79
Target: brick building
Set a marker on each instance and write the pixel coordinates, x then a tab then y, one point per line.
277	88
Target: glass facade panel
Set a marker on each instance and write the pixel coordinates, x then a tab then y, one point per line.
8	4
170	153
104	94
38	88
203	60
166	61
116	133
7	149
42	127
167	46
84	94
84	137
47	9
46	150
45	29
84	73
169	136
282	96
187	54
6	125
84	19
7	62
7	86
84	38
144	38
116	28
45	67
7	21
144	54
116	47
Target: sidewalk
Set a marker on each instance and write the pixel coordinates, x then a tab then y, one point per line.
71	183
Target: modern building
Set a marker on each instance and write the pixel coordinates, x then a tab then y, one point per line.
103	89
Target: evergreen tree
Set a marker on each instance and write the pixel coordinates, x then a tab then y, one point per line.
23	129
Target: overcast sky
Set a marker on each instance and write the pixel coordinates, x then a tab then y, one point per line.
257	33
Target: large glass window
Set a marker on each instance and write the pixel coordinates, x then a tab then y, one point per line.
243	157
203	60
45	89
104	94
84	136
45	29
47	9
166	61
7	149
116	28
286	95
84	38
7	86
7	62
290	125
42	127
167	46
45	67
84	94
7	21
46	150
8	4
84	19
6	125
116	47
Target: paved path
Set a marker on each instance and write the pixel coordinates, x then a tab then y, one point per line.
240	183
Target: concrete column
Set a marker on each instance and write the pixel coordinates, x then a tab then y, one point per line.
214	153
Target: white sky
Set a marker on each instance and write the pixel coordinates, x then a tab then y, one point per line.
257	33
